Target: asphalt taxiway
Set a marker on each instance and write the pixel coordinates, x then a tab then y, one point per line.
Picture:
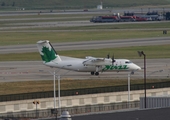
13	71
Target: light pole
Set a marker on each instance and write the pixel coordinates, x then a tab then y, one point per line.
59	102
55	111
129	88
140	54
54	85
36	102
54	91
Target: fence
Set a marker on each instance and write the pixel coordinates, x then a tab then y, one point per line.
155	102
73	92
48	113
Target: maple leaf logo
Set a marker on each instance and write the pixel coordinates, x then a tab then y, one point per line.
48	55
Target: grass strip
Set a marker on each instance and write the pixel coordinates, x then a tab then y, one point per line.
42	86
153	52
21	38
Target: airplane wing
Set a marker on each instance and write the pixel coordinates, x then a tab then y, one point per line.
96	61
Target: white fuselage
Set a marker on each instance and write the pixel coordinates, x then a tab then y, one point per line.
76	64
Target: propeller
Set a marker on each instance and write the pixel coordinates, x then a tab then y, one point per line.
113	60
108	55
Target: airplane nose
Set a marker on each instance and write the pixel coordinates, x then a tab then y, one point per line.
135	67
138	68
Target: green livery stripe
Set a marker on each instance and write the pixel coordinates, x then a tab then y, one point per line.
112	67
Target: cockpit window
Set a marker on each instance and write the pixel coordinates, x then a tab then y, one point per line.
127	62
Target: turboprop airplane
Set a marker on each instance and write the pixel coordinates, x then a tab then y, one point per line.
89	64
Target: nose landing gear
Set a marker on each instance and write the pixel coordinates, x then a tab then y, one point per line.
132	72
95	73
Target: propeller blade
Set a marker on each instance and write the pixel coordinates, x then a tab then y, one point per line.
113	60
108	56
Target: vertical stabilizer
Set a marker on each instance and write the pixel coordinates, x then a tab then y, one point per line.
47	52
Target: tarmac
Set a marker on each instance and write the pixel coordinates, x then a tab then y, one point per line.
145	114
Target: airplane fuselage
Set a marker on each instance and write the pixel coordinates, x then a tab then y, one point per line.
77	65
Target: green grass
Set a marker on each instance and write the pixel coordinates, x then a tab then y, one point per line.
40	86
160	51
20	38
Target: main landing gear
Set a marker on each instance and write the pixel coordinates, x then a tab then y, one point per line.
96	73
92	73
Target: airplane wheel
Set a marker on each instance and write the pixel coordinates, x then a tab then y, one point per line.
97	73
132	72
92	73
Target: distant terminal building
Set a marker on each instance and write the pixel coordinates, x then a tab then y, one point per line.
99	7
